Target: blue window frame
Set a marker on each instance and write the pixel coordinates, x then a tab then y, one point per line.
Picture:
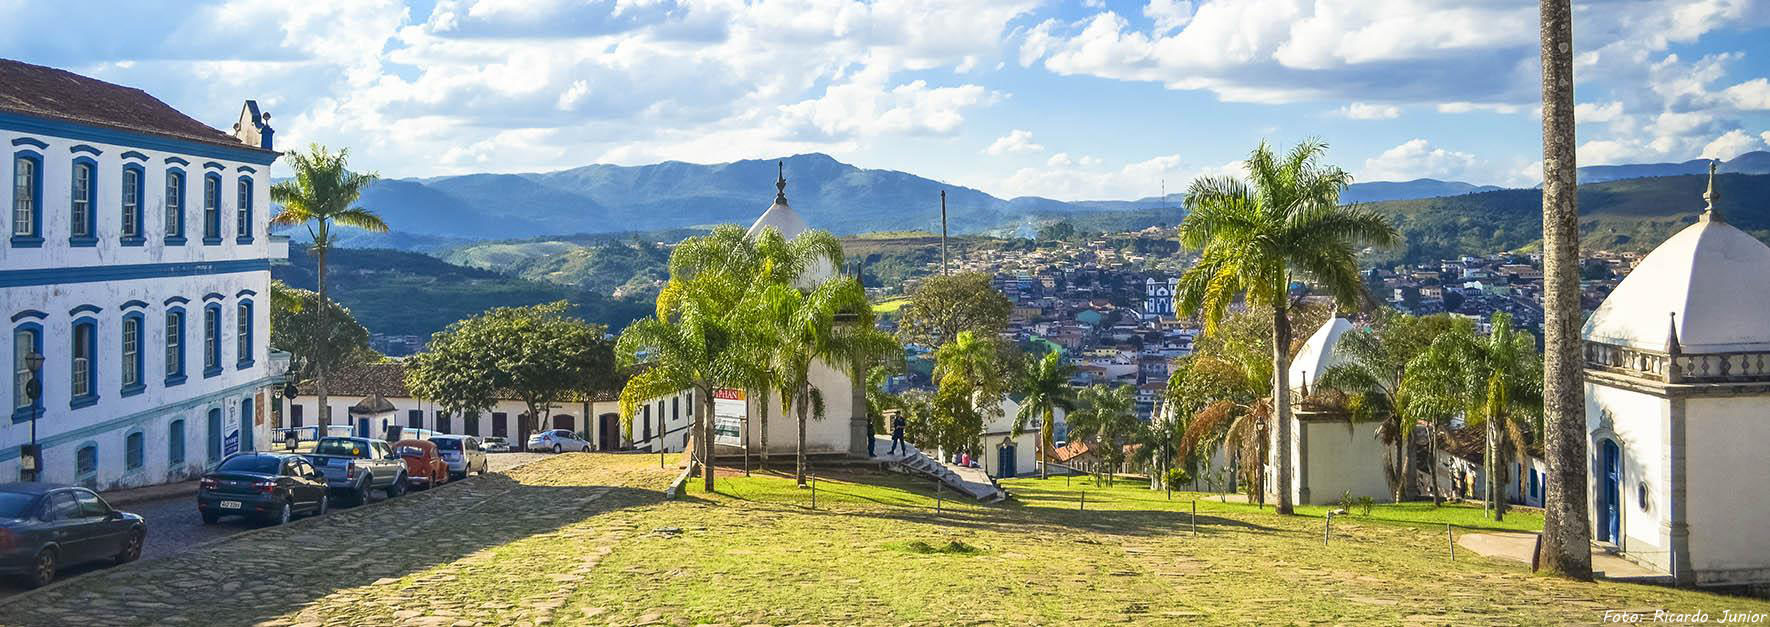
211	340
175	442
243	211
243	335
174	207
134	450
27	338
132	331
27	199
174	346
83	367
133	191
211	209
83	202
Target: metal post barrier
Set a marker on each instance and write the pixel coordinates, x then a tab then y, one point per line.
937	494
1451	540
814	492
1084	506
1327	532
1195	518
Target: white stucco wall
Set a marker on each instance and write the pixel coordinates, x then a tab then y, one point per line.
57	283
1000	431
1344	457
458	423
1728	491
1641	428
833	434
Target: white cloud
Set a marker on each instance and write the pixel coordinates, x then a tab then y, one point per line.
1587	112
1732	144
1065	177
1750	95
1168	15
1416	158
568	100
1016	140
1471	107
1063	160
1363	111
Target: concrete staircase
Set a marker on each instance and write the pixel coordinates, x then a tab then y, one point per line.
971	482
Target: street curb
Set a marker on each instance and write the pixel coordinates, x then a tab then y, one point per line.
204	544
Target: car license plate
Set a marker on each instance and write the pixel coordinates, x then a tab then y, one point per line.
230	505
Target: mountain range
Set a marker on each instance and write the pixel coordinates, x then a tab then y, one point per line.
1755	162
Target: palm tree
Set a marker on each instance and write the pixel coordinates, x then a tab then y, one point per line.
1044	383
1567	531
1105	415
1374	373
833	324
1158	445
1256	236
1496	381
969	378
323	192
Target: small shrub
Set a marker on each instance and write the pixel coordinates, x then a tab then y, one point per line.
1365	503
1346	500
1177	478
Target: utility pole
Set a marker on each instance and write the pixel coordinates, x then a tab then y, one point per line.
943	232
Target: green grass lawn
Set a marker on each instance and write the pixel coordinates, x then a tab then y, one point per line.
1134	494
890	306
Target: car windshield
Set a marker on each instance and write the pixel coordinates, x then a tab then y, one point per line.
261	464
15	505
342	447
410	451
447	444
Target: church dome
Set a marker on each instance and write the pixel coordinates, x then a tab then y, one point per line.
1710	282
1318	354
780	216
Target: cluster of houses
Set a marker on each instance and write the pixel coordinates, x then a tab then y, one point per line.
1478	287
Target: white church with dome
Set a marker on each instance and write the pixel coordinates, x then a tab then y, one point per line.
1677	365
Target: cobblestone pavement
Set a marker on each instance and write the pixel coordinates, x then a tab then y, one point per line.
174	525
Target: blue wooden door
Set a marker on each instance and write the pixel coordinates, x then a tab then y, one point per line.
1005	461
1610	487
214	435
246	425
362	427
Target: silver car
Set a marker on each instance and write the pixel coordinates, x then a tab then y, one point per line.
558	441
461	453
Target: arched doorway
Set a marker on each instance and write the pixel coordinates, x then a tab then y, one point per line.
1609	491
1005	461
609	432
563	421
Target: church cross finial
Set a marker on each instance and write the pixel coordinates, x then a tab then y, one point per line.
1712	213
780	183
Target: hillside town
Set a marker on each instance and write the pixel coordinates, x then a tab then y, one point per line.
1261	403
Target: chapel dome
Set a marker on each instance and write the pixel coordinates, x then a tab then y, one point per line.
780	216
1711	282
1318	354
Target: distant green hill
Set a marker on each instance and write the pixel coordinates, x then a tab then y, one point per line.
404	293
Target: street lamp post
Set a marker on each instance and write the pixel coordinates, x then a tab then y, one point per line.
33	392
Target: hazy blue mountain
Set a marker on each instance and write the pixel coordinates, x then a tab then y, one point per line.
1378	191
412	207
1755	162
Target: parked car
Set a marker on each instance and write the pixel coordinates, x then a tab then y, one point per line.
424	466
495	444
354	466
271	487
558	441
462	453
45	526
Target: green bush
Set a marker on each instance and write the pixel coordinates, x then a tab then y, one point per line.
1177	477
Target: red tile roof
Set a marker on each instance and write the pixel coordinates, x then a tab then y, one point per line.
47	92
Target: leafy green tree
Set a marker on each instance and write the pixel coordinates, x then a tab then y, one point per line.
1158	447
1256	237
322	193
537	353
1044	387
1106	417
1059	230
1495	381
969	374
1373	374
832	324
942	307
295	327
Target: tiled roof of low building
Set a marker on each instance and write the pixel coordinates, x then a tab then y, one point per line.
387	379
51	93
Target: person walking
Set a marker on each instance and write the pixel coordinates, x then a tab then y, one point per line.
897	425
872	440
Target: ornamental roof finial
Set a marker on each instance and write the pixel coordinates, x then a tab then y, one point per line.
1712	213
1672	347
780	183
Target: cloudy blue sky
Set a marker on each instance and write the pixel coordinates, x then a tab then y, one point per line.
1072	99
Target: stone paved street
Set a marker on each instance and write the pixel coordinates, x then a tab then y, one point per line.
175	527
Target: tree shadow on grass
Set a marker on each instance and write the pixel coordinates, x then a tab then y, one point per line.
284	569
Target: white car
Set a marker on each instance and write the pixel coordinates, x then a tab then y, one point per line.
558	441
494	444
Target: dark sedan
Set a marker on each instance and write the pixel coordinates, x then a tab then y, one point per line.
44	526
271	487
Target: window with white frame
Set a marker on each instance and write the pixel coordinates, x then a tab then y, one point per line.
174	204
243	332
24	196
174	343
80	219
211	338
131	202
24	342
84	341
131	351
211	208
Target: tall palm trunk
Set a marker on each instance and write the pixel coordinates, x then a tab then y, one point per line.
1567	531
1432	467
1491	489
1400	465
705	423
1045	442
1281	396
765	401
322	337
804	398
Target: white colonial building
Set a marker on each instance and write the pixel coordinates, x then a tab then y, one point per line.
1330	455
136	264
1677	364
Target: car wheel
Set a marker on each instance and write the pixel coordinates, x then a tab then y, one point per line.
131	548
283	514
210	518
42	570
398	487
362	492
556	449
